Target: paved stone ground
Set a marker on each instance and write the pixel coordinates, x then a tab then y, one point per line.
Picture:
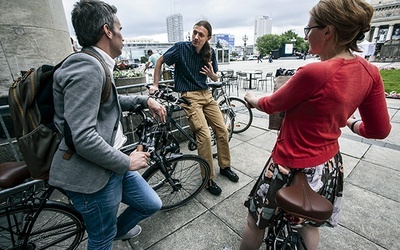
371	205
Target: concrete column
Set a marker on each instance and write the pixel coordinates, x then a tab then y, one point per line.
375	36
390	33
32	33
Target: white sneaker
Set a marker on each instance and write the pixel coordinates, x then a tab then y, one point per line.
131	233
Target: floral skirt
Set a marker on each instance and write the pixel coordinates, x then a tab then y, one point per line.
326	179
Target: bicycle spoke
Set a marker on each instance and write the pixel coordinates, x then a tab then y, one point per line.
187	174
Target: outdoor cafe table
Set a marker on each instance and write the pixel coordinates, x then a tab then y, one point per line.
251	76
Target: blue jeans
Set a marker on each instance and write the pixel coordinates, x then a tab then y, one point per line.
99	210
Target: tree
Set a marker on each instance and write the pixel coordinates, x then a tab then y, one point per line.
267	43
299	44
270	42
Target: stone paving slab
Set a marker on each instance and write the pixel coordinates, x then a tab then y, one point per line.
371	215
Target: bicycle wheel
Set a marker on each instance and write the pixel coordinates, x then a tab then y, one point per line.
243	114
58	226
190	174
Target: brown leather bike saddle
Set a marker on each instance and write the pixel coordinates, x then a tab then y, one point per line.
13	174
300	200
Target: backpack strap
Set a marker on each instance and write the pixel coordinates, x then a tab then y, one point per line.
104	95
106	92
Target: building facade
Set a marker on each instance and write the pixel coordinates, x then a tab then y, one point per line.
262	26
385	30
175	28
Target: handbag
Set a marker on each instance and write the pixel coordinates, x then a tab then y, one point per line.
276	119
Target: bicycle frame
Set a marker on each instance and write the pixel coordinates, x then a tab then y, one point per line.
168	167
179	127
220	92
150	141
282	232
30	193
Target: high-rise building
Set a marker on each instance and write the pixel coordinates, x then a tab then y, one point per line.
175	28
262	26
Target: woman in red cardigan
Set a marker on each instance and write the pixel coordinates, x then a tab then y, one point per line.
318	101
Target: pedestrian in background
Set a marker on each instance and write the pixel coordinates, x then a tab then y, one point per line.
153	57
259	58
318	100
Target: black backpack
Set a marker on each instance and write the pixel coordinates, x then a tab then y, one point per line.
32	110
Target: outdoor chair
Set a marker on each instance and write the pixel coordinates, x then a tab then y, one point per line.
244	79
232	81
269	77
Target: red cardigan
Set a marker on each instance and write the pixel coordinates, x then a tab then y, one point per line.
318	100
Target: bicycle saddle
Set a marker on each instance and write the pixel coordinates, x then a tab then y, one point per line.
300	200
13	174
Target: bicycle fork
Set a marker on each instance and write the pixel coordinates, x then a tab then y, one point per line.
164	166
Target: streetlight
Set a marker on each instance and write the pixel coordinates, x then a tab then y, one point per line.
244	38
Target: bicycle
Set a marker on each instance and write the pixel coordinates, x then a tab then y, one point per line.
29	219
177	178
235	106
167	96
297	205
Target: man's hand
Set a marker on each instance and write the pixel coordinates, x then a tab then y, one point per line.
157	109
209	71
138	160
152	89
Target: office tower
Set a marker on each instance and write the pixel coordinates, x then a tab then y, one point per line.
262	26
175	28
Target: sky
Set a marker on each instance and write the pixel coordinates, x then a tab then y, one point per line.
147	18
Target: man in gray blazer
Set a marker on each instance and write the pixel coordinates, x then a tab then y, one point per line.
97	176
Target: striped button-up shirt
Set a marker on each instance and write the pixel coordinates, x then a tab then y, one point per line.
188	66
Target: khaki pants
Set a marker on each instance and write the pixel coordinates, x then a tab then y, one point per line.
201	113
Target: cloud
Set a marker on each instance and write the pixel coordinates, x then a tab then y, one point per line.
148	18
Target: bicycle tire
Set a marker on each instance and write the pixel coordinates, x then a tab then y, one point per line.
243	114
58	226
190	172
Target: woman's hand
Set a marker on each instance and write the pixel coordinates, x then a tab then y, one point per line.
251	100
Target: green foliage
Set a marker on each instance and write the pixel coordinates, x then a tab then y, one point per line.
267	43
391	79
270	42
137	72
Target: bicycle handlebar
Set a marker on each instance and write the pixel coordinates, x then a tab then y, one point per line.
164	93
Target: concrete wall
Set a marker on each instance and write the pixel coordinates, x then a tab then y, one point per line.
32	33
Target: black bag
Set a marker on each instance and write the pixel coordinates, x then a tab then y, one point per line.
32	110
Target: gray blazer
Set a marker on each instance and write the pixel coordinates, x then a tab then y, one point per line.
78	85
